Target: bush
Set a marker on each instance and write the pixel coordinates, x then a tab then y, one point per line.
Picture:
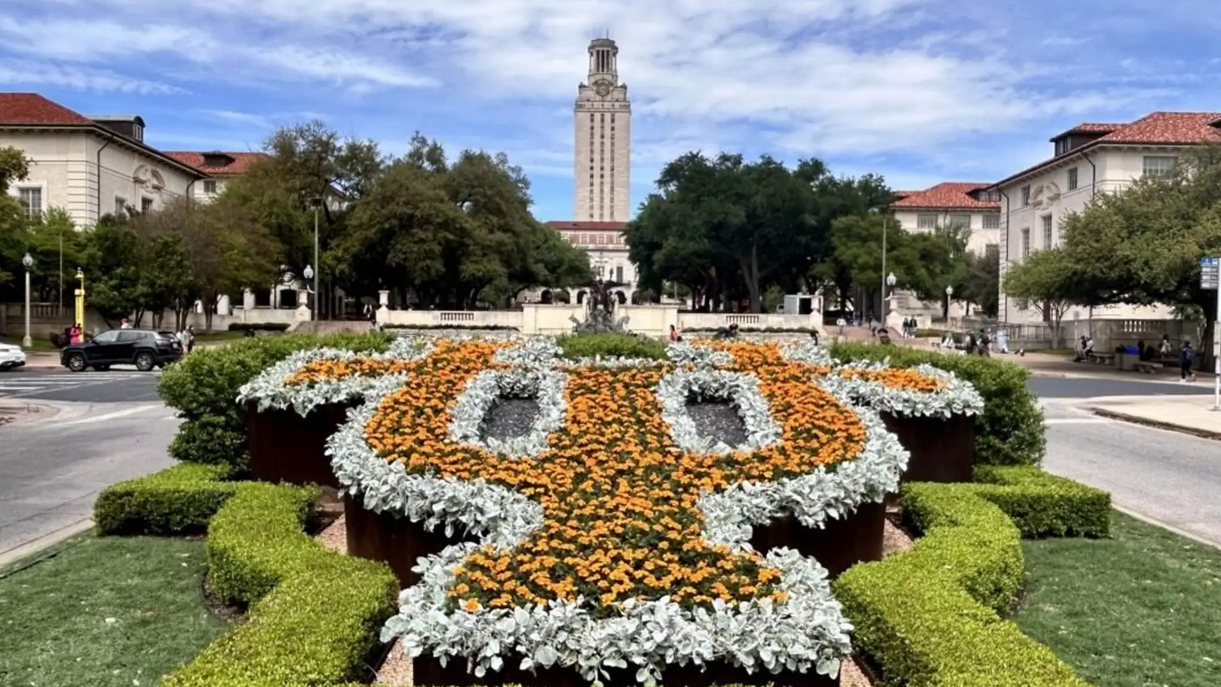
444	327
610	346
1043	505
315	614
929	616
203	387
179	500
1010	431
258	326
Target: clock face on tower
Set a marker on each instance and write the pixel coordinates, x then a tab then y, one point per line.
603	88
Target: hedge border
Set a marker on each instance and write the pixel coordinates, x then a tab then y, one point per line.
931	616
259	555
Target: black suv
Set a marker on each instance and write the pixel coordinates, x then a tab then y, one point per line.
139	347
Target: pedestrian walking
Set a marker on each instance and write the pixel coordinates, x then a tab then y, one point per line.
841	323
187	337
1187	358
76	334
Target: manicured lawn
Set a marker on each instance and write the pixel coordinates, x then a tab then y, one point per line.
110	612
1142	609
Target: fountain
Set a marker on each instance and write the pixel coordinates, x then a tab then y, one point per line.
600	312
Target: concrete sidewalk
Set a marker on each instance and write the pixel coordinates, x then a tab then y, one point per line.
1187	414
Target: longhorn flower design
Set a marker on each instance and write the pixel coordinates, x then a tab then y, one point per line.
611	533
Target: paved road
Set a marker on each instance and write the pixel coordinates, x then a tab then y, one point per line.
1168	476
1055	387
112	386
53	463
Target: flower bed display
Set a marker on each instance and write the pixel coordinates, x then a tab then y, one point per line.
296	405
614	539
931	412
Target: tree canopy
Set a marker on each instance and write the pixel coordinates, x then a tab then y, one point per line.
729	230
732	230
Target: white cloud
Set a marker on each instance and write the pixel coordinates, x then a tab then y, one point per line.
29	74
927	82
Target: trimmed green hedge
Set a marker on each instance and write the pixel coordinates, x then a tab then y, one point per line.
203	389
314	614
610	346
1043	505
930	616
1010	431
178	500
258	326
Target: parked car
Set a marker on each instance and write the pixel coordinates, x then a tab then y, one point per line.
140	347
11	357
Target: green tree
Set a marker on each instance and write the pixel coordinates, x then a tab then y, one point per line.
114	269
729	230
1044	281
14	166
981	285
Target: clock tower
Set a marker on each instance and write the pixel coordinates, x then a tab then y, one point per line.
603	135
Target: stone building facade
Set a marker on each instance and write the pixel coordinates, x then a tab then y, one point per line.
603	129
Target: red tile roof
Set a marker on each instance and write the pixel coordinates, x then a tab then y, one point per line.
241	161
1089	128
31	108
586	226
1157	128
950	195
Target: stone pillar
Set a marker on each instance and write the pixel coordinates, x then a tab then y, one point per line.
247	299
223	306
383	307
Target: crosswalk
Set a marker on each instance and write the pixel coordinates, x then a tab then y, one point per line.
19	384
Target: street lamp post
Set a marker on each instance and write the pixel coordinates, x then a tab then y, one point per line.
317	203
885	279
949	300
309	274
27	262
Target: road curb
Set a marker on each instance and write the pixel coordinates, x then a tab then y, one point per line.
1157	424
1166	526
45	541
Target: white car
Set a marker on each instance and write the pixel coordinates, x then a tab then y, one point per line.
11	357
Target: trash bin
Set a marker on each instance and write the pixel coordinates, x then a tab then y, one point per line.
1127	358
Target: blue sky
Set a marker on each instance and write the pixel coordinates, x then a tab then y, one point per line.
919	91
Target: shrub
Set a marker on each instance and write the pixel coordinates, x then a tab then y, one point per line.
203	389
610	346
1010	430
178	500
315	614
929	616
1043	505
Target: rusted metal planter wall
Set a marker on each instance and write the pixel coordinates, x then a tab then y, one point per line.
841	544
428	671
941	450
285	447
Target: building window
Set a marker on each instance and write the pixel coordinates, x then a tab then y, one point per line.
1158	165
31	201
1061	146
1046	231
601	239
146	205
585	237
992	221
619	273
120	206
1072	179
926	221
1025	241
210	186
1025	195
963	221
992	251
992	196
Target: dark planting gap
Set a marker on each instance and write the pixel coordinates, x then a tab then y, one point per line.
508	417
718	419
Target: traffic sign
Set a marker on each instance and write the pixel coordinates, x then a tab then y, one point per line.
1210	273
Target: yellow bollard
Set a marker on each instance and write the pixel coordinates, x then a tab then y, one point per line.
80	299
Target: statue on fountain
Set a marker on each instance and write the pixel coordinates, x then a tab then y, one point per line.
600	312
